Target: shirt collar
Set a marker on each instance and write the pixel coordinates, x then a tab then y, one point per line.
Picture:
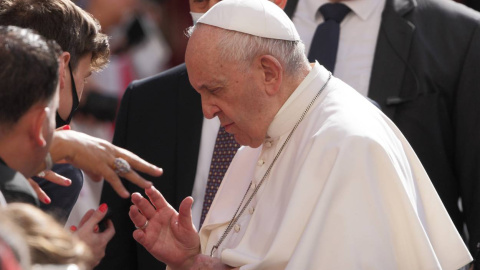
362	8
292	109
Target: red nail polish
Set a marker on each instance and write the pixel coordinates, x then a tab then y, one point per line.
73	228
96	228
47	200
66	127
103	208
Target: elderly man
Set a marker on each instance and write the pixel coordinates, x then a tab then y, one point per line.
325	180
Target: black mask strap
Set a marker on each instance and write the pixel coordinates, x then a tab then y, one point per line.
75	102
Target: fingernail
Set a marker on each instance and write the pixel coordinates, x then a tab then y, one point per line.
67	181
47	200
73	228
103	208
66	127
96	228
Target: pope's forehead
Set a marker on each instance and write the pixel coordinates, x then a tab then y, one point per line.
203	40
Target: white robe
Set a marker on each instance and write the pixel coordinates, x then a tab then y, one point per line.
347	192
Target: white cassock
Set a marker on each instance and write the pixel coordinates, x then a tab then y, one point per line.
347	192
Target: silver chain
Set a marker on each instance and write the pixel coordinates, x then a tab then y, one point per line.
235	216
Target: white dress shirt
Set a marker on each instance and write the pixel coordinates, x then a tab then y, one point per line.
358	37
207	143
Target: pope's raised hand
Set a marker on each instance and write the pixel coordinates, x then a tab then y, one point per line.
169	236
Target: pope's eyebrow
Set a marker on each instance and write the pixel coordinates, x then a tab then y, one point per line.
212	84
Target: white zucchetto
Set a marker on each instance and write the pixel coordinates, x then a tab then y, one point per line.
260	18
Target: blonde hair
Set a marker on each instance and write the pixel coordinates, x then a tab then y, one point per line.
48	241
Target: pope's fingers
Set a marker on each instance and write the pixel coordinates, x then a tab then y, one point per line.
145	207
185	213
137	218
156	198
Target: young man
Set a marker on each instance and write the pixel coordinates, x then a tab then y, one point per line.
29	142
85	49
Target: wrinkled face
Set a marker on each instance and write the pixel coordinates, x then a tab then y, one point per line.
237	98
80	74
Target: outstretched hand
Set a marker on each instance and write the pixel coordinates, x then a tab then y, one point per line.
169	236
96	157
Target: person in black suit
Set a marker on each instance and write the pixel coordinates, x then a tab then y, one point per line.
160	118
425	76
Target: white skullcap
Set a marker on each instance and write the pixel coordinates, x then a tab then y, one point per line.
260	18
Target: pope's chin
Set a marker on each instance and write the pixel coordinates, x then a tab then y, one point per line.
243	139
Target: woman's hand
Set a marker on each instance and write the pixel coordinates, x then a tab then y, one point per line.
97	157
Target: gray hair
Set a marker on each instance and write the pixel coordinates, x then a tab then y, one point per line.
243	48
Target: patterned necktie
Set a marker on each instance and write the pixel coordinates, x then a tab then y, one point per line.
325	41
223	153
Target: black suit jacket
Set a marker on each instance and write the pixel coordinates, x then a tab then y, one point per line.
160	120
426	77
15	187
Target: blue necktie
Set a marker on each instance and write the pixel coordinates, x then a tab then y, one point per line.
325	41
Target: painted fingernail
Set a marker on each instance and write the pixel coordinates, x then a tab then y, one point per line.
73	228
47	200
66	127
96	228
103	208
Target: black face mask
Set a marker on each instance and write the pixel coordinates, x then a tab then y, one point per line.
75	103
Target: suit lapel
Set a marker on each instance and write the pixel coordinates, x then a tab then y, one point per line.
390	64
189	130
290	8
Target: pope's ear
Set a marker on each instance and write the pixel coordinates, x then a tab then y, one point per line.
280	3
38	125
64	59
273	73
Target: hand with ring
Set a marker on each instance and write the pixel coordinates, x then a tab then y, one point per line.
101	159
169	236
